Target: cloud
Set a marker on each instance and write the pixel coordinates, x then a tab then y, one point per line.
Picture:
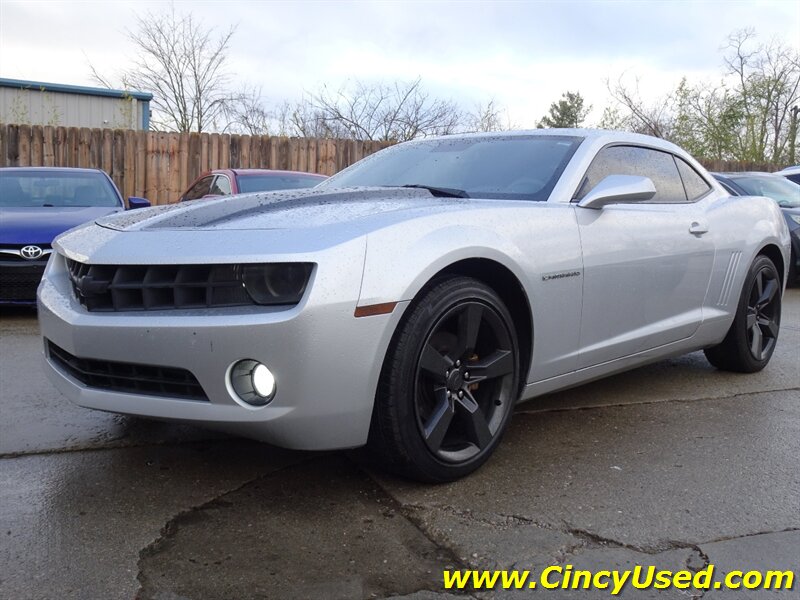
523	54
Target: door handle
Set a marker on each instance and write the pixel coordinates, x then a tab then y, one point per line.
698	228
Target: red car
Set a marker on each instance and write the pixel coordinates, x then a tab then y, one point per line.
223	182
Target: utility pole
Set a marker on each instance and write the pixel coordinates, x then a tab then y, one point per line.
793	134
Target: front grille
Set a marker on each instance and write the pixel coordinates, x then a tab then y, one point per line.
128	377
19	283
156	287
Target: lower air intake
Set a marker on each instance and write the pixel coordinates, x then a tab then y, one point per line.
128	377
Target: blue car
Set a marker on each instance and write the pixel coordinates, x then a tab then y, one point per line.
783	191
36	205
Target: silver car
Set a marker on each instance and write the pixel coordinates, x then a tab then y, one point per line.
410	301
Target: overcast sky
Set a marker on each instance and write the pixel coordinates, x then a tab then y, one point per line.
523	54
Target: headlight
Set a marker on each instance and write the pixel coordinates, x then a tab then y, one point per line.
282	283
795	218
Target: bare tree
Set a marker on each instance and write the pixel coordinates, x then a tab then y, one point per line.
305	119
378	111
183	65
246	112
654	119
360	111
748	116
488	117
768	81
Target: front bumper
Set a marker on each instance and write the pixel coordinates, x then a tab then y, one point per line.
326	361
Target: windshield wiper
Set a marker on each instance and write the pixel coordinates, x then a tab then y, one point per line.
441	192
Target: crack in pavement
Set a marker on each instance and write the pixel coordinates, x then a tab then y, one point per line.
414	513
648	402
408	514
749	535
472	516
601	541
593	539
173	546
588	539
112	446
170	527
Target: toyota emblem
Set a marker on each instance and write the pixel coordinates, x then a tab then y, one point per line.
31	252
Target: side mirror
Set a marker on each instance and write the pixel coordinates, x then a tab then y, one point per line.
619	189
135	202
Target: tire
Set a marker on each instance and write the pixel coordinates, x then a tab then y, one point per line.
751	340
448	385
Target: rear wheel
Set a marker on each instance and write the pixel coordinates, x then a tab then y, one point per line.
752	337
448	385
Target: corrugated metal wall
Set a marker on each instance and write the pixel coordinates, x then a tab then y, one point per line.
36	107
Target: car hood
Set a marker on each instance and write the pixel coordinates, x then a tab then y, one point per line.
295	209
39	225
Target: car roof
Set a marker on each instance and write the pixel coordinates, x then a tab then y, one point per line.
52	169
267	172
735	174
600	136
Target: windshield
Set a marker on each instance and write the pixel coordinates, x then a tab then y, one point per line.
509	167
56	188
786	193
270	183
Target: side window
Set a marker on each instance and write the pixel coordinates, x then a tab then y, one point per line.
633	160
694	183
199	189
793	177
223	185
728	188
220	187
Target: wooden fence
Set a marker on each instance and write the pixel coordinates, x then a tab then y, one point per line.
160	166
732	166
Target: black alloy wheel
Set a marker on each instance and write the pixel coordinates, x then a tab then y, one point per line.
449	383
751	339
464	376
763	314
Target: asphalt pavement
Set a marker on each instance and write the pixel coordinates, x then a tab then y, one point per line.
674	464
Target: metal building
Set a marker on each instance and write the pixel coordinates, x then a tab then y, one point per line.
39	103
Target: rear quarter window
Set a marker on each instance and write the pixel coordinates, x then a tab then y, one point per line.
696	186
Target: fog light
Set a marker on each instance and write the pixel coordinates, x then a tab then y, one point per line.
253	382
263	381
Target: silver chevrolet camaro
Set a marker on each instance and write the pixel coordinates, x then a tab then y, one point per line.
410	301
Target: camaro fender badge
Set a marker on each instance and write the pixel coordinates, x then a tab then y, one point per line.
561	275
31	252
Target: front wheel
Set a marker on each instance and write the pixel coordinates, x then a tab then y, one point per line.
449	383
752	337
